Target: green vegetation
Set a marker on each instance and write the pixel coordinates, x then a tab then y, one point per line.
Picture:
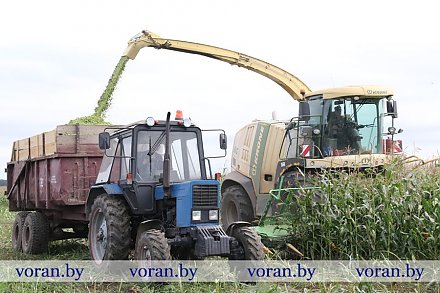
391	215
104	102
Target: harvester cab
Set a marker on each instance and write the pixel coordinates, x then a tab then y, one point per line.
157	172
340	122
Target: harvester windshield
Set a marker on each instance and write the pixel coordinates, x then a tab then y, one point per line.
338	126
352	126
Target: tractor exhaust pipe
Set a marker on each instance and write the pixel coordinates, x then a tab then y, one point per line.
166	161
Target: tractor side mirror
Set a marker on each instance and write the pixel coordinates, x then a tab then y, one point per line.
304	111
392	108
223	141
104	140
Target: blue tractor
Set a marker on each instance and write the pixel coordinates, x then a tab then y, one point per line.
153	194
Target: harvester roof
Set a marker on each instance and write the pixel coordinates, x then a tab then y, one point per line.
367	91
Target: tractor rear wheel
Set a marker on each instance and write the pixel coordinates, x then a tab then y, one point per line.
17	228
35	233
235	206
250	242
109	229
152	245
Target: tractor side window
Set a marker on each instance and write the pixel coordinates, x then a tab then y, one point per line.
126	157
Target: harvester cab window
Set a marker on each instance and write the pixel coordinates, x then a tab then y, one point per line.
352	126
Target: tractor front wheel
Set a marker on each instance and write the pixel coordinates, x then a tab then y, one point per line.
249	243
152	245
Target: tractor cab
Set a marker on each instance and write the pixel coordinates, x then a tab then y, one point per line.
151	160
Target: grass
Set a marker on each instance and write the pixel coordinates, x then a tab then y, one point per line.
393	215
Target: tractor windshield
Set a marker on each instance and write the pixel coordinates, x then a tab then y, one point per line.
184	154
352	126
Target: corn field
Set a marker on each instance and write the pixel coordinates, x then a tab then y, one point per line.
391	215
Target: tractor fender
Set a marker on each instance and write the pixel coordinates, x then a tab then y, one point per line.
95	191
147	225
237	224
236	178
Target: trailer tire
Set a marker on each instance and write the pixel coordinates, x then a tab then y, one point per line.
152	245
250	241
35	233
17	230
235	206
109	229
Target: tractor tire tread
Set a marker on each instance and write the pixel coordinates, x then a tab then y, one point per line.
251	242
117	216
157	245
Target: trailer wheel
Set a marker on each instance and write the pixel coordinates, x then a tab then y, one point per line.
250	242
235	206
17	228
109	229
152	245
35	233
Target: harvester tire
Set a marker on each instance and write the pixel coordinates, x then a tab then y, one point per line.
249	239
152	245
17	228
109	229
35	233
235	206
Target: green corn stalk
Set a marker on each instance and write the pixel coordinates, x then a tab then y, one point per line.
391	215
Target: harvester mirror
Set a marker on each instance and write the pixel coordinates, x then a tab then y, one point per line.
291	126
392	108
104	140
304	111
223	141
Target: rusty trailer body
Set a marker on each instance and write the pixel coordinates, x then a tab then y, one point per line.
52	173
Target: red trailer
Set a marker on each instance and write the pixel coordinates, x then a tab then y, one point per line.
51	174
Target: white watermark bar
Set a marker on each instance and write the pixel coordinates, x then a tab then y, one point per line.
220	271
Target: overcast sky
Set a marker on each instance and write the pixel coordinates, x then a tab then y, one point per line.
57	56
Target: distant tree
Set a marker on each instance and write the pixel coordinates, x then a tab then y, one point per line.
2	182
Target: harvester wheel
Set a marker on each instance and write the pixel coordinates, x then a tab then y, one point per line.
35	233
235	206
152	245
250	241
109	229
17	228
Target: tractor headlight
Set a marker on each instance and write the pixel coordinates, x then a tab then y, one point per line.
150	121
213	215
196	215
